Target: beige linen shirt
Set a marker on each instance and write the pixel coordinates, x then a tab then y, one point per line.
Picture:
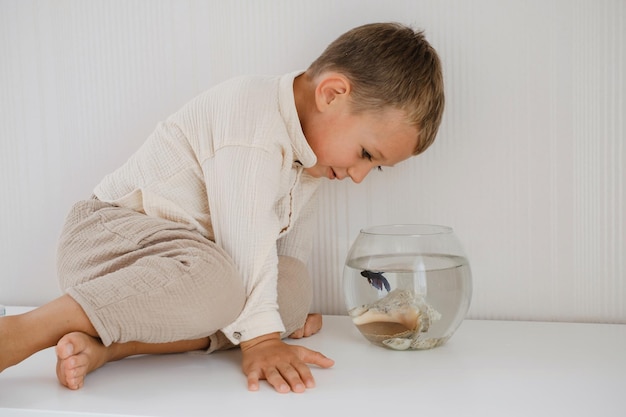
231	163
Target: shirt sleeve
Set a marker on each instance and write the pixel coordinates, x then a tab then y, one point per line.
298	242
242	182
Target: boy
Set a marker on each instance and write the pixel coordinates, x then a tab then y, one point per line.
199	240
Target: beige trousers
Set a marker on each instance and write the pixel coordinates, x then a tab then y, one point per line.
146	279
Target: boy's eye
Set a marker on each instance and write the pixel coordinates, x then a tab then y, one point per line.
365	154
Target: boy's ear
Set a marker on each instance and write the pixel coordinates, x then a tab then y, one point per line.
331	87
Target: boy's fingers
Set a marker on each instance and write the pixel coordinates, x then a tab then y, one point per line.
305	375
315	358
253	381
275	379
285	367
292	375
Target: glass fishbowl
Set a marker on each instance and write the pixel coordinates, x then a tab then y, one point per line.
407	286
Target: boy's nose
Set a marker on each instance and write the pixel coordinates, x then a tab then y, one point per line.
359	172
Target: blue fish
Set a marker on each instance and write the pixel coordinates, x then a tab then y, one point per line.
376	280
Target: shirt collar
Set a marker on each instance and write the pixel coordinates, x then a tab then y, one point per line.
302	152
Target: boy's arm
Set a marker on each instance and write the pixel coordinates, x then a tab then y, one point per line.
298	242
241	183
247	229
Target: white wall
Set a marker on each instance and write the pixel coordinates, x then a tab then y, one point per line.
527	168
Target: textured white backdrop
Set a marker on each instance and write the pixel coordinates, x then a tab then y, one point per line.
528	167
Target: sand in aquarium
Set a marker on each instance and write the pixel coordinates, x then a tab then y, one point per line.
376	332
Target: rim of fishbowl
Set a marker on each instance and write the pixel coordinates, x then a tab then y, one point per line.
407	229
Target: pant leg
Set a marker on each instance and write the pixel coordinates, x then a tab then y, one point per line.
295	294
140	278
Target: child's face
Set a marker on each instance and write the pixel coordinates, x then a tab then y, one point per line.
351	145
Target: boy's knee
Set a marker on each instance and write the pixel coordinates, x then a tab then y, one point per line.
295	293
233	297
220	296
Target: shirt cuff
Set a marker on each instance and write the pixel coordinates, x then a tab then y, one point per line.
258	325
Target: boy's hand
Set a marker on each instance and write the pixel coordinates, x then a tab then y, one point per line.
283	366
312	325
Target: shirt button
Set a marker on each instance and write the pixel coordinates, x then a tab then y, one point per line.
237	335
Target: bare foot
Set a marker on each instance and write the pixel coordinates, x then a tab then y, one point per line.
312	325
77	355
25	334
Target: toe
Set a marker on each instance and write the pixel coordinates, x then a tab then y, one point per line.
70	374
64	348
77	355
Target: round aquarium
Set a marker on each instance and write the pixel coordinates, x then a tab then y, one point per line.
407	286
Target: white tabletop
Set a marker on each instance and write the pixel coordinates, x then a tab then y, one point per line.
488	368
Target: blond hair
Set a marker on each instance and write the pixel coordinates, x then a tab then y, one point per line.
390	64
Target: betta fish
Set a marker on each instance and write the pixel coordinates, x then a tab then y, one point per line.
376	280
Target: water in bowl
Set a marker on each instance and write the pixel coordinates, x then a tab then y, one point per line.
407	301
